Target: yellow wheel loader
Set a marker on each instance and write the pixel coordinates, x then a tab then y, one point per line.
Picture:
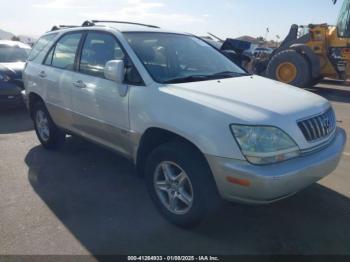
310	53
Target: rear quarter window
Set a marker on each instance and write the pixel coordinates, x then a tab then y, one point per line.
40	46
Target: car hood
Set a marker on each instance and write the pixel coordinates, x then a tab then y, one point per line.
251	99
14	70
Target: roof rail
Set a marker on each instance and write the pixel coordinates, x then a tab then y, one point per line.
93	22
88	23
58	27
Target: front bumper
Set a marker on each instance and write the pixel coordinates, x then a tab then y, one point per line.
274	182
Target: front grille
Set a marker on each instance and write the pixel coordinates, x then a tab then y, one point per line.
318	127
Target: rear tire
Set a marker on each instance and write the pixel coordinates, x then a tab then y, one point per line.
199	187
49	135
282	65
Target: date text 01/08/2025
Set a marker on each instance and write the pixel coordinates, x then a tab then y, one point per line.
173	258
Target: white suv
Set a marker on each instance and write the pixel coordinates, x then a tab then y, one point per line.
195	124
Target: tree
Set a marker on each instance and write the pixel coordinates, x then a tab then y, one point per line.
15	38
260	39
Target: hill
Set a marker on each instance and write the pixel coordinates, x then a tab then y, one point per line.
5	35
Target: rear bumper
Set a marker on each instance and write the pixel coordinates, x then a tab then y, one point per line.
11	101
10	95
274	182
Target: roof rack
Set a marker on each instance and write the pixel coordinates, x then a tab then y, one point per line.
58	27
93	22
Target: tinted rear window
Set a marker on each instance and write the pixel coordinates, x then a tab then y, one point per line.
40	45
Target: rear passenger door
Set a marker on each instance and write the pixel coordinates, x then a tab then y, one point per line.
58	72
33	76
100	109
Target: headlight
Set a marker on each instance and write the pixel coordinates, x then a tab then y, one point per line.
264	144
4	77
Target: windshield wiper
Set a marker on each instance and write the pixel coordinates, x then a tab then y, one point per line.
229	74
192	78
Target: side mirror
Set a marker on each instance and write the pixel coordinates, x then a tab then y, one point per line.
114	70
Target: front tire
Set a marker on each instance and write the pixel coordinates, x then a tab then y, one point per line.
180	184
49	135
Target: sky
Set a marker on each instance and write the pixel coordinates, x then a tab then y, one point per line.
224	18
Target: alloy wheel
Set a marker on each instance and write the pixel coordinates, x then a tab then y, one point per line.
173	187
42	124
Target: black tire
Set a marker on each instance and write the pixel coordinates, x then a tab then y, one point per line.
56	137
303	76
316	81
205	195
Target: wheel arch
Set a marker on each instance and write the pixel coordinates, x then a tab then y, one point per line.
154	137
33	98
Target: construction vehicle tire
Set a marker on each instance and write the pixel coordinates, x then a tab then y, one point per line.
289	67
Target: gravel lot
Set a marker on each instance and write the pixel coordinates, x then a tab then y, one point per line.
86	200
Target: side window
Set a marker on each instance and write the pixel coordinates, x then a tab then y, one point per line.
40	45
98	49
63	54
132	76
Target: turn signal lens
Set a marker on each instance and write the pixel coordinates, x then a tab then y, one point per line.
238	181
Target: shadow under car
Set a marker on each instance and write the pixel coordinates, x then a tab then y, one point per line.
97	195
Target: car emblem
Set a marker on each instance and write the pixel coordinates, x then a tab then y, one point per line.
326	124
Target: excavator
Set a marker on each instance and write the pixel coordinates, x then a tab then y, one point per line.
310	53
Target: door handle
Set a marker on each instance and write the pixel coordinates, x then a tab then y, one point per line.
42	74
79	84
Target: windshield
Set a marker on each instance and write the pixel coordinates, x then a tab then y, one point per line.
9	54
176	58
343	24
